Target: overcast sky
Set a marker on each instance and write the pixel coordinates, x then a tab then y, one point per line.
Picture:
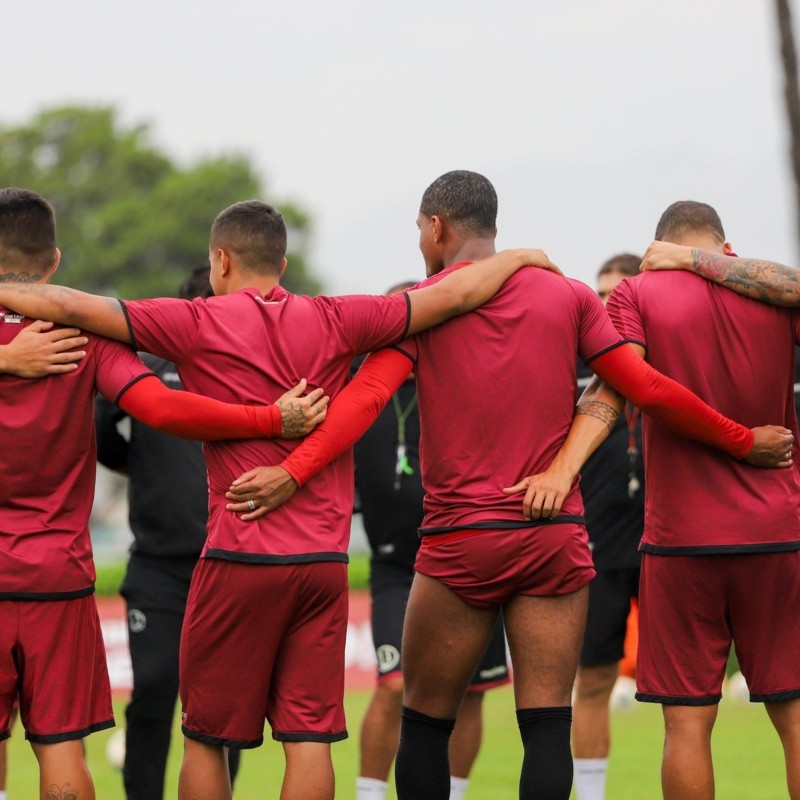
590	117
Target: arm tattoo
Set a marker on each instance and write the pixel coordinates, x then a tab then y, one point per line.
766	281
602	411
293	418
65	792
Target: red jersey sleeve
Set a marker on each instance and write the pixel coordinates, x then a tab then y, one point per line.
117	367
166	326
356	407
596	334
369	322
623	309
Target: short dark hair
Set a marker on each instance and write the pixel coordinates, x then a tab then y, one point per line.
254	232
624	263
196	284
689	216
27	231
466	200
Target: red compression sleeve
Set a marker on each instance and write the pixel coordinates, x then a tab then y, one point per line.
192	416
350	414
670	403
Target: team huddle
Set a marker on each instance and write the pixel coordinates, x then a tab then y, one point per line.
708	357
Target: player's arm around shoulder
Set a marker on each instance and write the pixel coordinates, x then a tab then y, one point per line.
101	315
38	350
465	289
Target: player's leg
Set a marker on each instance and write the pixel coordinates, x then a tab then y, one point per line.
204	772
687	771
610	594
443	640
306	702
544	636
380	728
785	716
63	771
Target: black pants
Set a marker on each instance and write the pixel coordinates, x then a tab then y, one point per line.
155	591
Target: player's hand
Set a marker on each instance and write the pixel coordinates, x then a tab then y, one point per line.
772	447
37	351
538	258
544	493
664	255
260	490
301	414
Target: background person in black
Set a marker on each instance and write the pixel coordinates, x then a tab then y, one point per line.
612	485
168	497
389	488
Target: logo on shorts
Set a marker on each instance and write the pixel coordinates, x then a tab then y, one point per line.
137	621
388	658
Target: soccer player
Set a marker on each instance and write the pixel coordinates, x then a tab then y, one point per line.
612	485
389	492
168	503
51	649
479	553
714	573
267	612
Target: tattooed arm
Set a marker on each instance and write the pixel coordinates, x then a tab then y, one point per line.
771	283
102	315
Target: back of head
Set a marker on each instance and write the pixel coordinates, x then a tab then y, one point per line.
27	234
623	263
197	284
688	217
464	199
254	233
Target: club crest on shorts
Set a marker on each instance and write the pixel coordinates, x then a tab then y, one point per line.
137	621
388	658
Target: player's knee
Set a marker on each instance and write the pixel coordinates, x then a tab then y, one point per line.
390	690
594	684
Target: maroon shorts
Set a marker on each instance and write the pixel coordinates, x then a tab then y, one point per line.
692	607
263	641
52	658
487	568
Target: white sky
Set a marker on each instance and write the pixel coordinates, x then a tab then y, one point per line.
590	117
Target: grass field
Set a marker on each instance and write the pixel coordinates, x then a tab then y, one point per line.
748	758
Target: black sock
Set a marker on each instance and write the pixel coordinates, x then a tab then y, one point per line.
422	769
547	765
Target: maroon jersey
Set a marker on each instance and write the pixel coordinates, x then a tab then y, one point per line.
249	348
47	464
497	394
737	355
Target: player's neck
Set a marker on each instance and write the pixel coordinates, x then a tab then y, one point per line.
471	250
263	283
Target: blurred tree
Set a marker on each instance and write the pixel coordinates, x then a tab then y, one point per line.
130	221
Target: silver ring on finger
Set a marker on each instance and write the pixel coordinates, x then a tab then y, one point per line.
251	505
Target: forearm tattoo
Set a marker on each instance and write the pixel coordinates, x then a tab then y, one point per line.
766	281
599	410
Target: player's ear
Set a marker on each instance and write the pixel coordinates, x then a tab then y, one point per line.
283	268
224	262
56	261
727	248
438	228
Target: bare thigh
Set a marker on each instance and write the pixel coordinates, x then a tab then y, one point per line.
545	635
443	641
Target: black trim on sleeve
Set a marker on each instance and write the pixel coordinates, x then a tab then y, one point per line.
130	383
613	347
239	744
130	325
719	549
55	738
408	316
45	596
268	558
504	525
671	700
774	697
405	353
310	737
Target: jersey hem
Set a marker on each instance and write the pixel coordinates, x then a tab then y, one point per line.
609	349
55	738
268	558
44	596
403	352
130	325
131	383
718	549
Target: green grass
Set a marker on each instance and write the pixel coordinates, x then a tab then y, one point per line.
748	757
